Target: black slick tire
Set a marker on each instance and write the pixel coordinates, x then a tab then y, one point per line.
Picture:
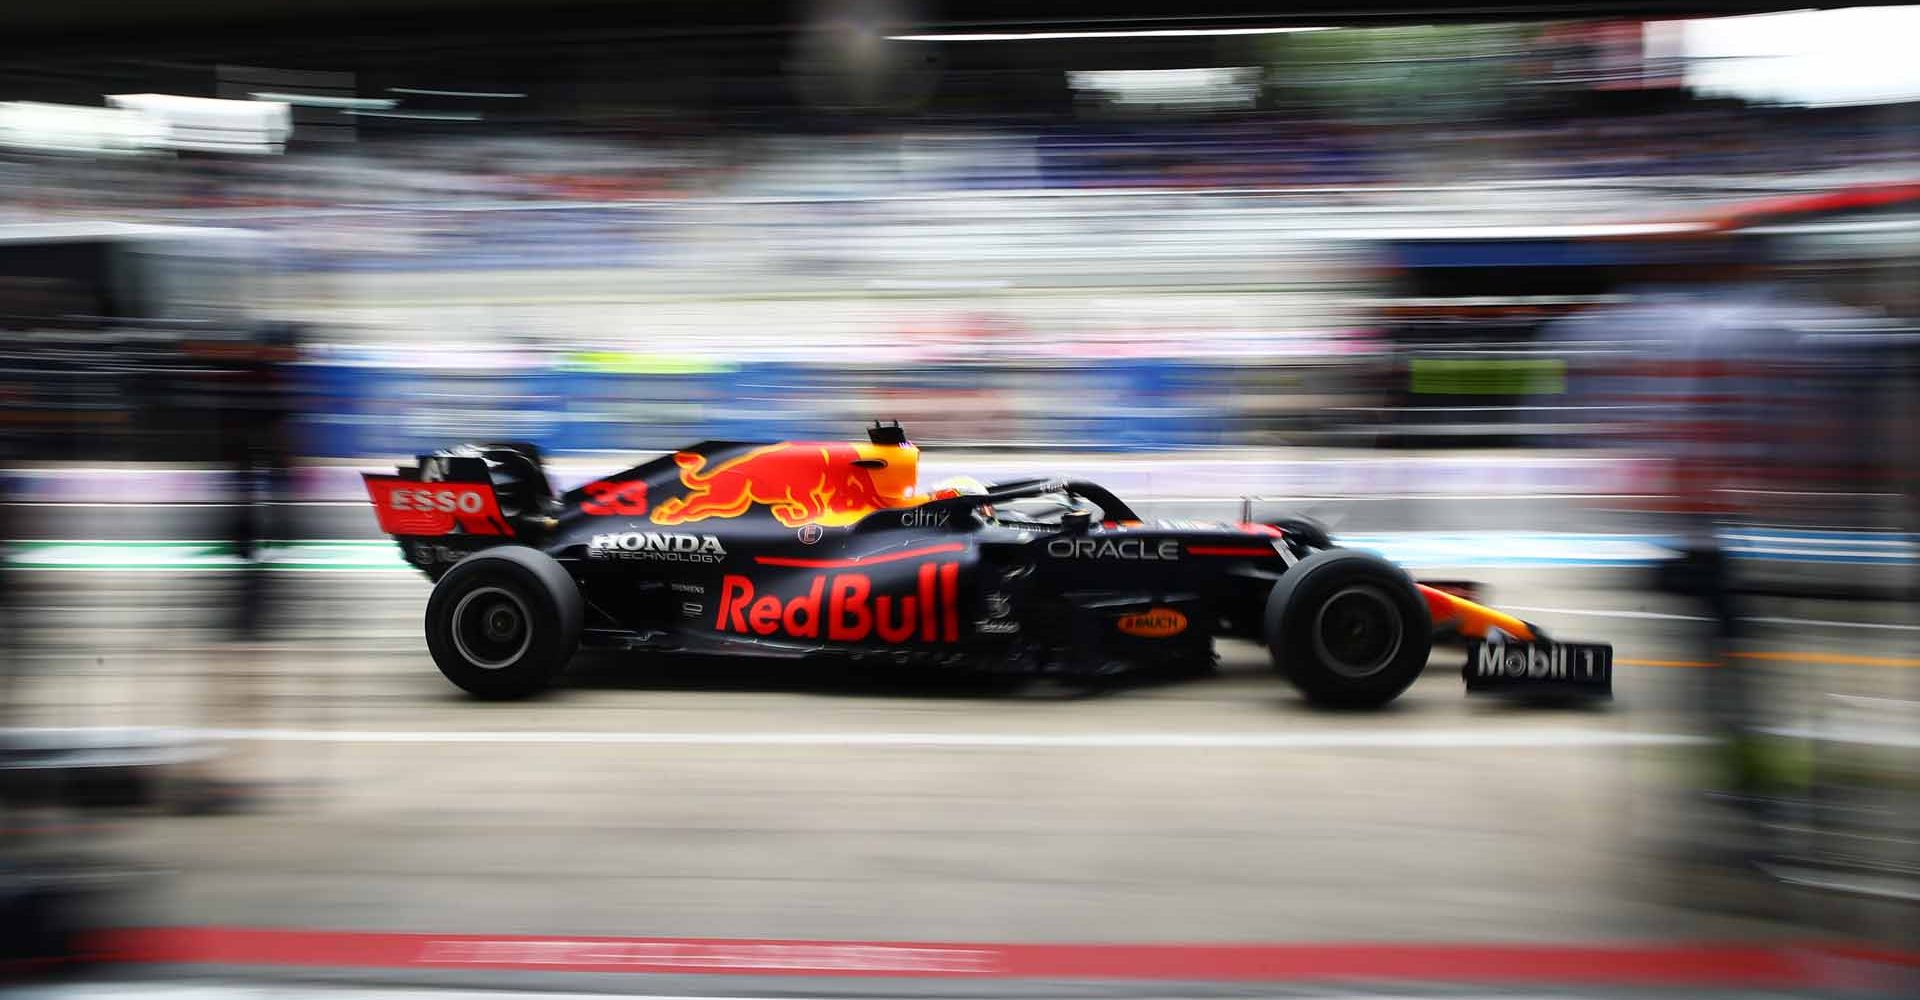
1348	628
502	623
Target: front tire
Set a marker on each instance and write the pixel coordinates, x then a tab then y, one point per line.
1348	628
503	622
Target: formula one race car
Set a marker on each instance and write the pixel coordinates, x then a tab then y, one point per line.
806	548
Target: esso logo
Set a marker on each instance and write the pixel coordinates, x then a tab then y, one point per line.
447	501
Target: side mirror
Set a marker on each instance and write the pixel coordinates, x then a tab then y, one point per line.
1076	521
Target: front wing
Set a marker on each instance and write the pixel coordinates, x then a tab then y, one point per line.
1506	655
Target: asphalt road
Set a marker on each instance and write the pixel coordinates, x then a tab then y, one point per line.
692	798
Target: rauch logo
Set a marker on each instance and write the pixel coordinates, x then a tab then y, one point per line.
1154	623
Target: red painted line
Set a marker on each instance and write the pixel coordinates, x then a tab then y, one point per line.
1844	199
1723	965
860	560
1229	550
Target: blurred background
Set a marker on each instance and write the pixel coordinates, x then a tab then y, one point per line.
1609	308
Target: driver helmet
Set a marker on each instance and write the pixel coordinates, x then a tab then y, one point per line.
958	486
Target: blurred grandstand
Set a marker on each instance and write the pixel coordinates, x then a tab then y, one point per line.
1146	243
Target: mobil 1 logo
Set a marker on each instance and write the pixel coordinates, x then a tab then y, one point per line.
1567	668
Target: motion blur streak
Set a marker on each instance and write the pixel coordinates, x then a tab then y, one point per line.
1604	315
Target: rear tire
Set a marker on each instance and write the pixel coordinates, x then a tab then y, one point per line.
503	622
1348	628
1306	530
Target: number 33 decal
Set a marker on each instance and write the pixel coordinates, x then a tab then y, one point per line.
627	498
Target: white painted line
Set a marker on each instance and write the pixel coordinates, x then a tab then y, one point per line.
1819	623
1410	739
294	991
103	608
1597	613
189	504
380	542
1871	736
1888	539
1778	550
224	568
1870	702
1664	616
284	991
1898	886
1143	499
199	651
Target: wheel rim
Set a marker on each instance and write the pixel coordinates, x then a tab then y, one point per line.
491	628
1357	632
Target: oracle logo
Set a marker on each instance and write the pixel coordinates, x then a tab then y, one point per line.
1153	623
842	607
1108	548
467	501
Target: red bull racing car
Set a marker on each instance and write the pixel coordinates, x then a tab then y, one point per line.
805	549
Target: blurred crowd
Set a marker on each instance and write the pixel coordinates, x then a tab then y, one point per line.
1240	241
1266	150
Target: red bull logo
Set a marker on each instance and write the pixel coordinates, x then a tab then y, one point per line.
800	483
842	607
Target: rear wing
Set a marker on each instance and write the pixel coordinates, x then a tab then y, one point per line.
443	495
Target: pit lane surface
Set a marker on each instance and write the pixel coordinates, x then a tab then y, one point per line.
702	798
694	798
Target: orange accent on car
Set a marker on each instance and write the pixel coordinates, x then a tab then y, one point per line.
799	482
1470	619
1153	623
